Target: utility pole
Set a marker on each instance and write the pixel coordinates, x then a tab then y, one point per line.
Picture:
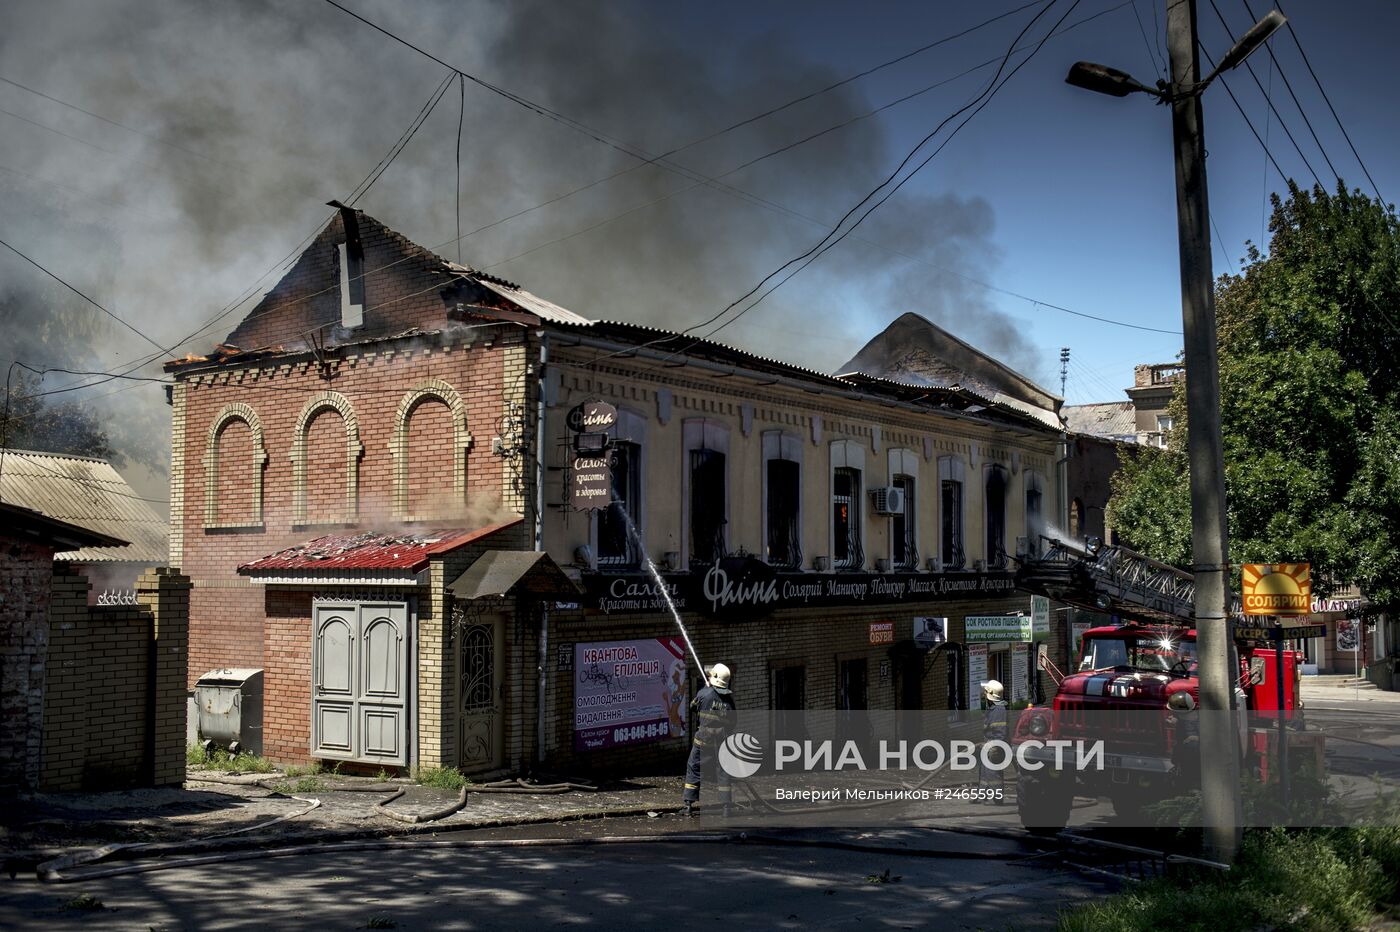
1220	777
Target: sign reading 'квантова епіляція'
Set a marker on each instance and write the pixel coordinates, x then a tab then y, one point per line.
742	588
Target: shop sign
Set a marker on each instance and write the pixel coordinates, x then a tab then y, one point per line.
992	629
1277	588
592	417
1040	616
746	588
1290	632
976	667
882	632
590	482
1076	638
1020	672
930	632
628	692
1348	635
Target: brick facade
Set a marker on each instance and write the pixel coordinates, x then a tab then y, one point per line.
426	417
25	587
114	699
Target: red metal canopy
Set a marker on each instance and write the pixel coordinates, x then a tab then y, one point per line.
372	550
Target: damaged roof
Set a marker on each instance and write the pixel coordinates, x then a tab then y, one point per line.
90	494
1102	419
369	550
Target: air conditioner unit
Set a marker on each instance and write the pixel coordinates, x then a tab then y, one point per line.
887	500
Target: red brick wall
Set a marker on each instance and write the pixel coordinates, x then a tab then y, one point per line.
236	474
325	468
226	623
287	677
25	576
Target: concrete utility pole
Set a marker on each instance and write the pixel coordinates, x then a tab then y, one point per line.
1220	777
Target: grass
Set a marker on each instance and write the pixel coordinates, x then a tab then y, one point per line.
243	762
444	778
1306	879
84	901
381	922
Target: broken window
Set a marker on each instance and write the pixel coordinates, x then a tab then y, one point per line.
784	478
1035	520
905	552
950	509
617	544
996	517
845	520
707	505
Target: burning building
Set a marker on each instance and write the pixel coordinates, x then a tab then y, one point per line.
449	518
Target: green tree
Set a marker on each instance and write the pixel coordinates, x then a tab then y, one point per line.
1310	406
30	421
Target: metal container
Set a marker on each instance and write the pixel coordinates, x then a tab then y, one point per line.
230	705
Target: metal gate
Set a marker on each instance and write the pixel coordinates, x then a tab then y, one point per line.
480	688
359	669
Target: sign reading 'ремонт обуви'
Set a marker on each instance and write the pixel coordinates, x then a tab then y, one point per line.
741	588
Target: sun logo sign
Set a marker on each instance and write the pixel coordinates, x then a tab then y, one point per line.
1277	588
741	755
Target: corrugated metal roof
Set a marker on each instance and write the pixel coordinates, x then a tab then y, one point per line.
369	550
540	307
91	494
497	572
1102	419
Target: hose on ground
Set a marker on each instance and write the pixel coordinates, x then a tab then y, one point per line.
418	817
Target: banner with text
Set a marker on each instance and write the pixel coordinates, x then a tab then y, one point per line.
628	692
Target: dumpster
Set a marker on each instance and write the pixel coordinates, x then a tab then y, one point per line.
230	705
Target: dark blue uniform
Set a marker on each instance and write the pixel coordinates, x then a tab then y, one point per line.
714	718
993	729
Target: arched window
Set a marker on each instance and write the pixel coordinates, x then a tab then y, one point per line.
1076	519
616	544
951	478
234	457
706	489
1035	510
327	433
782	499
997	481
430	476
847	513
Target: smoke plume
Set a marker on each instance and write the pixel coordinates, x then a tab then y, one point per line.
239	121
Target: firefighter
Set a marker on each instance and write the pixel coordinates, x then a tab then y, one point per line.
714	712
993	729
1186	749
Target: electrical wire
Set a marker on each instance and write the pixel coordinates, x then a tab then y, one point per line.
1268	99
82	295
1347	136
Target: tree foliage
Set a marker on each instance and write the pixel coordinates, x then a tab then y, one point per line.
1309	336
29	421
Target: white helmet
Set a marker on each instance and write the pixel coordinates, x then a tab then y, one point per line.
991	689
1181	702
719	676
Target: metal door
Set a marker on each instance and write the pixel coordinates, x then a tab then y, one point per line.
480	689
359	669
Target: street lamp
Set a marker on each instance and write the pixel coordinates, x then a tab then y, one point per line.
1209	537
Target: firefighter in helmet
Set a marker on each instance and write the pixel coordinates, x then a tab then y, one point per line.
1186	746
993	729
714	713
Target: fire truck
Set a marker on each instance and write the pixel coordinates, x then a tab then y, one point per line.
1134	687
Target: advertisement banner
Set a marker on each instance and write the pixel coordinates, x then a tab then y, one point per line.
976	669
1020	672
930	632
1040	616
628	692
1348	635
882	632
1076	638
994	629
1276	588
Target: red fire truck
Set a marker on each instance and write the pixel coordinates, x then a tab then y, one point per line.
1135	688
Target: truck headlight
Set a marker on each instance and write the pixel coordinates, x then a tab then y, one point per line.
1039	725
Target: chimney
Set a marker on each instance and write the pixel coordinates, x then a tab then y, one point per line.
352	270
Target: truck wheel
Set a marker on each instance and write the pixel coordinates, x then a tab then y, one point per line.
1044	804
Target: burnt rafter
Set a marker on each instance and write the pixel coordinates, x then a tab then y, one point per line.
1110	579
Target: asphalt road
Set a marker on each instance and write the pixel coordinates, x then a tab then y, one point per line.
934	879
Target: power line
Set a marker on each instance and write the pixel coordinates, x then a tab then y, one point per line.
80	294
1345	135
1268	99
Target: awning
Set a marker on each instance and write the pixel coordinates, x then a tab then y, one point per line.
507	572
